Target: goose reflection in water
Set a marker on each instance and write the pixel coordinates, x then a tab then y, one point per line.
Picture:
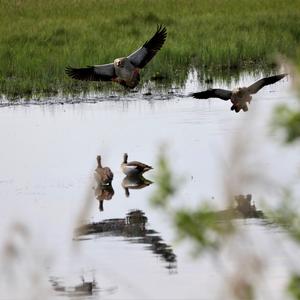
103	192
134	182
133	228
85	288
243	209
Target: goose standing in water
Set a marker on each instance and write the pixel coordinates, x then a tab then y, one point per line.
124	70
103	175
240	96
133	167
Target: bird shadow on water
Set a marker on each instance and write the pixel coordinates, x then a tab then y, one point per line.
134	229
84	290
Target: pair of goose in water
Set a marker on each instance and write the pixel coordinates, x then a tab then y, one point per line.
126	71
104	175
134	179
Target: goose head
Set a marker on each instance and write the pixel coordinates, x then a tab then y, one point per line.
125	158
120	62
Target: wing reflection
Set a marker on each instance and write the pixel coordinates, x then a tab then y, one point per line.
133	228
103	192
85	288
243	209
134	182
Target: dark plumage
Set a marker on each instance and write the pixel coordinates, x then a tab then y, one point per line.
240	96
91	73
143	55
124	70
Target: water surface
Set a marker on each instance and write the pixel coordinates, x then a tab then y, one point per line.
48	154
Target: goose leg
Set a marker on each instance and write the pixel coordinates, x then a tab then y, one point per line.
101	205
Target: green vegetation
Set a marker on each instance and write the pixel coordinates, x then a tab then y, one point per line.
288	118
201	225
294	286
39	38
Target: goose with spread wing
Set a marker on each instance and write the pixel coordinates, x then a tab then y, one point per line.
124	70
240	96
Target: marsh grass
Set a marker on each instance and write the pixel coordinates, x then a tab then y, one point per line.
38	39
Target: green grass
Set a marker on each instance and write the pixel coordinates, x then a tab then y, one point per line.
39	38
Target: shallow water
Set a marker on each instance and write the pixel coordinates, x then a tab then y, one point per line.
48	154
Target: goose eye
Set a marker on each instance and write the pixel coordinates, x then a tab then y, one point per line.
120	64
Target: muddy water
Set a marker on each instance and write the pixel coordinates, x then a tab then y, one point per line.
48	154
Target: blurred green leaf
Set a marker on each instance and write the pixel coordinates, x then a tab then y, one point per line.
288	119
287	216
294	286
165	182
203	226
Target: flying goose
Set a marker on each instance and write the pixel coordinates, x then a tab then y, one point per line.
240	96
103	175
134	167
124	70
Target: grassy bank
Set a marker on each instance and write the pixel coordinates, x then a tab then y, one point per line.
39	38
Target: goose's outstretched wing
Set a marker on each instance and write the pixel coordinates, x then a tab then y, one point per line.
143	55
256	86
93	73
213	93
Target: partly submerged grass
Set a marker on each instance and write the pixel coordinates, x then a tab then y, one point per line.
39	38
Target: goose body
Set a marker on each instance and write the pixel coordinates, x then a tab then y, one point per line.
241	96
103	175
133	167
124	70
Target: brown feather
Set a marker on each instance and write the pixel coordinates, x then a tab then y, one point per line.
256	86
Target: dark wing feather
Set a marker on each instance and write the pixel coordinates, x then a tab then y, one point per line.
143	55
213	93
93	73
138	165
255	87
